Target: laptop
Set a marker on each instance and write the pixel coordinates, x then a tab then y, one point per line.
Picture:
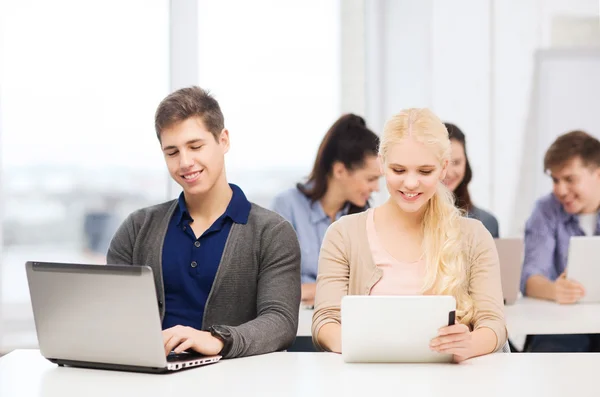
510	252
582	265
101	316
394	329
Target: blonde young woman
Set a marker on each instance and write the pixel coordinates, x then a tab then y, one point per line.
415	243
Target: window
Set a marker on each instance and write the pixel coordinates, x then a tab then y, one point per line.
274	68
79	84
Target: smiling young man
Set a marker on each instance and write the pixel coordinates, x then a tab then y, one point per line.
227	271
573	162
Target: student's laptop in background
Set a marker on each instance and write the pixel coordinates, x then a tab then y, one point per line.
583	265
101	316
388	329
510	252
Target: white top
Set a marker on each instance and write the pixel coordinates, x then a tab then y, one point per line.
587	222
25	373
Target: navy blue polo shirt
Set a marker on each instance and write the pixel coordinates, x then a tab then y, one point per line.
190	264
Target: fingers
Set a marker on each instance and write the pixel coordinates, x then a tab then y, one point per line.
578	287
173	342
569	294
451	337
453	329
568	291
456	350
566	295
449	340
167	334
185	345
568	298
576	293
572	285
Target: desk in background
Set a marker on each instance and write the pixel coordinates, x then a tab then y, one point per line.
25	373
530	316
526	316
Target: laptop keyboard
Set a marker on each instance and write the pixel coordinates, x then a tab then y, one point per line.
173	357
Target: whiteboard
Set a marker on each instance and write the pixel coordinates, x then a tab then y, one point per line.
566	97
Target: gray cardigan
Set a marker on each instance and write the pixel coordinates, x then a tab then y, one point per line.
489	221
256	292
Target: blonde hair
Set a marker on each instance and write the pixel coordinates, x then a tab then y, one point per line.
446	272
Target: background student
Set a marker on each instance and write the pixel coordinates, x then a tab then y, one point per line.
415	243
458	178
344	175
573	163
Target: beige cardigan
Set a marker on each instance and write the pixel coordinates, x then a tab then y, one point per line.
346	267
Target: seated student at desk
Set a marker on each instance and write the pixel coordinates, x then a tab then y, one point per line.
573	163
227	271
415	243
458	178
344	175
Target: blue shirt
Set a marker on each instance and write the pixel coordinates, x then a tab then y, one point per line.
547	234
190	264
310	223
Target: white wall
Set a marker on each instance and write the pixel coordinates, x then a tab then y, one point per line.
471	61
517	35
352	57
460	78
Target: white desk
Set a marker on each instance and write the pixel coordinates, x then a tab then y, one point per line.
538	317
527	317
25	373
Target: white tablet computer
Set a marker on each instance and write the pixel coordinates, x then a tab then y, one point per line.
583	265
394	329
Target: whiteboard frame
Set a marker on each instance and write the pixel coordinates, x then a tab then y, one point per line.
540	56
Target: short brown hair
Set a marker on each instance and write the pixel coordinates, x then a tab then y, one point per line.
572	145
186	103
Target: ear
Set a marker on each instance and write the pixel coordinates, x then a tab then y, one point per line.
381	164
224	140
444	170
338	170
